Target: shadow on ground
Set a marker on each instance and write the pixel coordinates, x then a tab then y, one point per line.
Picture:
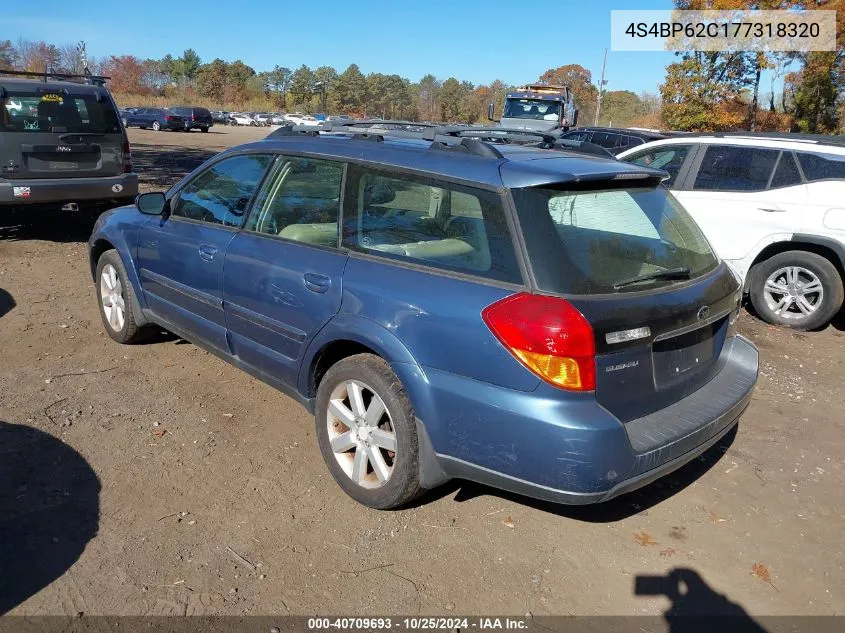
161	166
695	606
617	509
49	510
7	302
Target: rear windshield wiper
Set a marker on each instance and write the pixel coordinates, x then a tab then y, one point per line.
670	273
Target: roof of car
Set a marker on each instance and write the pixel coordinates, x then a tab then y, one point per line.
620	130
17	83
506	165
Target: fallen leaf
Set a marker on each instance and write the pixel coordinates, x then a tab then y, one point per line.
159	432
644	538
762	572
715	518
508	522
228	415
669	552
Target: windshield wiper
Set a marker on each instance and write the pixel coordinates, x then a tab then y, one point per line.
681	272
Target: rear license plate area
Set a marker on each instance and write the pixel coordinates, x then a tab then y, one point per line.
62	165
679	358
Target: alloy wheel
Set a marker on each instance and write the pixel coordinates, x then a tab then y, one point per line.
361	434
111	297
793	292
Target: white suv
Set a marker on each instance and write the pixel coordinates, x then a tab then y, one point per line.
773	207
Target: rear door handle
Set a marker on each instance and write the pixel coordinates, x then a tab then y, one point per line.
315	282
207	252
772	209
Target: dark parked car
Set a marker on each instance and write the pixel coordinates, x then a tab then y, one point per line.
195	118
219	116
62	144
543	322
615	140
155	119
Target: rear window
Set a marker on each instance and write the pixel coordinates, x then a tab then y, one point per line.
586	242
44	111
822	166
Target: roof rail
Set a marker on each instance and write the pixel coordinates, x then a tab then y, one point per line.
471	146
97	80
823	139
495	134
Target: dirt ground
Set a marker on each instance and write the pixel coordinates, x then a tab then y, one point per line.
156	479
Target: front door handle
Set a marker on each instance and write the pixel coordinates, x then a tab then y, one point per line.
315	282
772	209
207	252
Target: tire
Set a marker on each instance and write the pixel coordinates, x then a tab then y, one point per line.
156	126
127	331
796	272
125	124
204	129
376	380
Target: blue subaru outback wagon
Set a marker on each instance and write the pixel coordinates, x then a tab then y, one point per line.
544	322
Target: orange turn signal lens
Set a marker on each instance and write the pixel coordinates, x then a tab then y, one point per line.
558	370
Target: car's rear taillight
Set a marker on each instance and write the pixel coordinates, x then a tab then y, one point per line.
168	118
547	335
127	156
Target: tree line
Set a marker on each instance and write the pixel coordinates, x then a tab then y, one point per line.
701	90
235	85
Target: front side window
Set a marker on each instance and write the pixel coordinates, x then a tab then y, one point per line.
46	112
300	201
735	168
221	193
669	158
822	166
428	221
588	242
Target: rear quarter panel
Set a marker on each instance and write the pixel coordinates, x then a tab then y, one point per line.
437	317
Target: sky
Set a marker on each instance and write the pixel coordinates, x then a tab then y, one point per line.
470	40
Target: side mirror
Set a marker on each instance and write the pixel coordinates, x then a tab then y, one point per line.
490	111
151	203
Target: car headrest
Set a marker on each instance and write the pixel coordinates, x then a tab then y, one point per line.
378	193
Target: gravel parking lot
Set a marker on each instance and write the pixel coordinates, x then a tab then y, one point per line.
156	479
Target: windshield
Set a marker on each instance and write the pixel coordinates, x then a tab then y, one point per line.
587	242
43	111
539	109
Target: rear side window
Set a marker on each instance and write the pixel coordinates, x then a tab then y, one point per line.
585	242
669	158
786	173
428	221
221	193
300	201
44	111
576	136
822	166
735	168
604	139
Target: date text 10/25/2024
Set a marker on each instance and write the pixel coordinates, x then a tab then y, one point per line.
419	623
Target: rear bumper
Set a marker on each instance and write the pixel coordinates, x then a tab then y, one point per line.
64	190
576	452
198	125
